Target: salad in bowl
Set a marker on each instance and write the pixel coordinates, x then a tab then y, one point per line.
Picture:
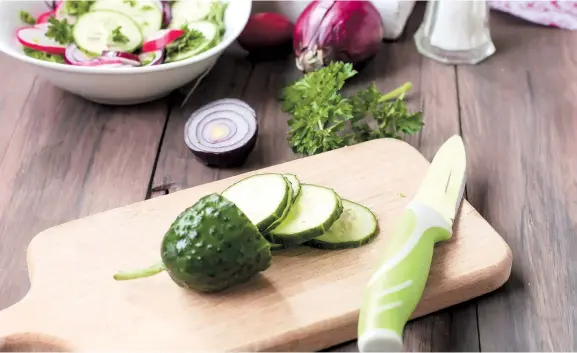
121	33
120	51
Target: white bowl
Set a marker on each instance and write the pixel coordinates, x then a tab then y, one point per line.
118	86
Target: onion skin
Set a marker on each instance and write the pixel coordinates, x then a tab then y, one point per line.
330	30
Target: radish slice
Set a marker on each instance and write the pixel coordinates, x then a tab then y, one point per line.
75	56
125	58
152	58
43	18
161	39
35	38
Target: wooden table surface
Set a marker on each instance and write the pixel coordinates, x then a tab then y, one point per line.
62	158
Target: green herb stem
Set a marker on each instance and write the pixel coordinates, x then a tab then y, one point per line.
397	92
140	273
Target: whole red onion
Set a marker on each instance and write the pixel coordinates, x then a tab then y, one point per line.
331	30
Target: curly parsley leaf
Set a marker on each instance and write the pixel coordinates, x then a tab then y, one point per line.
189	40
318	110
322	119
40	55
60	31
27	18
77	7
118	36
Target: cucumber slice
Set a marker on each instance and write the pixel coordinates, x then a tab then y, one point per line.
355	227
211	38
146	13
312	214
189	11
262	197
295	184
93	32
286	210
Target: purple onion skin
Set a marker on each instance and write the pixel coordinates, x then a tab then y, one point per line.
231	159
330	30
166	14
51	4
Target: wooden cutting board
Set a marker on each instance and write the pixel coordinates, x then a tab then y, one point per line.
307	300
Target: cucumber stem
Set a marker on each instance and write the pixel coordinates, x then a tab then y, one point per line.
140	273
397	92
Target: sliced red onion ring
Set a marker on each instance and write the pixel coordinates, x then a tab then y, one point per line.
125	58
103	62
75	56
166	13
222	134
152	58
50	3
159	40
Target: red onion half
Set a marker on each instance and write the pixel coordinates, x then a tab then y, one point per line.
222	133
331	30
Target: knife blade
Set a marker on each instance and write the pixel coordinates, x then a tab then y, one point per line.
393	291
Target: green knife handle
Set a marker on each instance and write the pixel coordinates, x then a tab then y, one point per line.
397	285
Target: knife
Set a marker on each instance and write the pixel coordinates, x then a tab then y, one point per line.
396	286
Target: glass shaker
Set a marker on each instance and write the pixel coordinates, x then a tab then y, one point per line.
455	32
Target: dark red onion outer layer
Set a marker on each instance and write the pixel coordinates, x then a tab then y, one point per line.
228	158
330	30
51	4
166	13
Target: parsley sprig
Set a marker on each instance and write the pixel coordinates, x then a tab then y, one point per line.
322	119
190	39
40	55
77	7
60	31
118	36
27	18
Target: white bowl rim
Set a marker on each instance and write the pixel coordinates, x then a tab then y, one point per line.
132	71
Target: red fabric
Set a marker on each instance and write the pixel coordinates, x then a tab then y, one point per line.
559	14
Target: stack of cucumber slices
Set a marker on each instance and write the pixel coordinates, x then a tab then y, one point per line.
226	239
123	33
290	213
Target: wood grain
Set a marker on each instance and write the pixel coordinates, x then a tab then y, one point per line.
307	300
61	158
518	114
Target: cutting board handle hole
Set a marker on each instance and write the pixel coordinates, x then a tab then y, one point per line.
33	342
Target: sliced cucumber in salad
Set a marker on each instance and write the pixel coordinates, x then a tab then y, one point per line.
97	31
123	33
185	12
146	13
202	36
